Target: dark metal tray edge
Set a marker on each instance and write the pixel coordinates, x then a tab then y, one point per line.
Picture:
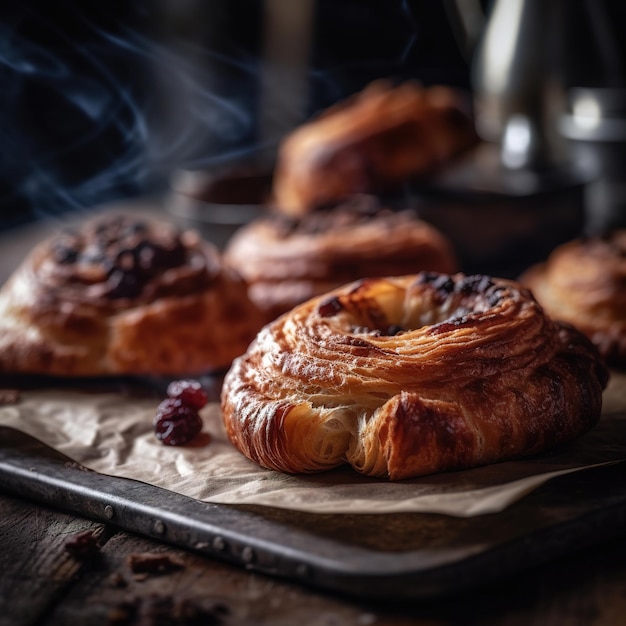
31	470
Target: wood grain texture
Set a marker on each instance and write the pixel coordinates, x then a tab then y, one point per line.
35	569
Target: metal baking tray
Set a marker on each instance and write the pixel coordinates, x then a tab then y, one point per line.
399	557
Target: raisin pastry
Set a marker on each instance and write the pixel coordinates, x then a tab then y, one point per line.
584	283
123	296
371	143
286	261
407	376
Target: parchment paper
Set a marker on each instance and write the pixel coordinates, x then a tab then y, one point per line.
112	434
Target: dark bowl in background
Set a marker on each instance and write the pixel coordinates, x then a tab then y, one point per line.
217	203
500	221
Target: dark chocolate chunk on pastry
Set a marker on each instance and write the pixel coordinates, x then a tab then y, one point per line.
119	295
288	260
406	376
583	282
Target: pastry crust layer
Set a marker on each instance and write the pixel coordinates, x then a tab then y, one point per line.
406	376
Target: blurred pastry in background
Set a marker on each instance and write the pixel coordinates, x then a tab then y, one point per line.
583	282
371	143
287	260
120	295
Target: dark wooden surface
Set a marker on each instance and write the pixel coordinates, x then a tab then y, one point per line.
42	583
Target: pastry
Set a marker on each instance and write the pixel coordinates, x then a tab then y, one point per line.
584	283
288	260
371	143
119	295
406	376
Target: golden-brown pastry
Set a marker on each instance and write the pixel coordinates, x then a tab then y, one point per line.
123	295
402	377
584	283
288	260
370	143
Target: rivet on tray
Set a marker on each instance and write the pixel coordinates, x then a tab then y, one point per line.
302	570
247	554
219	544
159	527
109	512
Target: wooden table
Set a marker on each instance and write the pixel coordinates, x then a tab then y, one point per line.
46	580
42	583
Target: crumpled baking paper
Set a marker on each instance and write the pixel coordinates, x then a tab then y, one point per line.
111	433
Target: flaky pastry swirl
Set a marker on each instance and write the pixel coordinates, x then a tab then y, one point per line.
401	377
286	261
122	295
584	283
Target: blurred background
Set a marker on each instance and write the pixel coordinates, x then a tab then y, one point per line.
103	101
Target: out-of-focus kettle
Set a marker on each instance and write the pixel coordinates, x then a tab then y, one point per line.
517	80
525	57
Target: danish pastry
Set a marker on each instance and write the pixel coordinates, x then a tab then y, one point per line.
584	283
371	143
288	260
406	376
119	295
